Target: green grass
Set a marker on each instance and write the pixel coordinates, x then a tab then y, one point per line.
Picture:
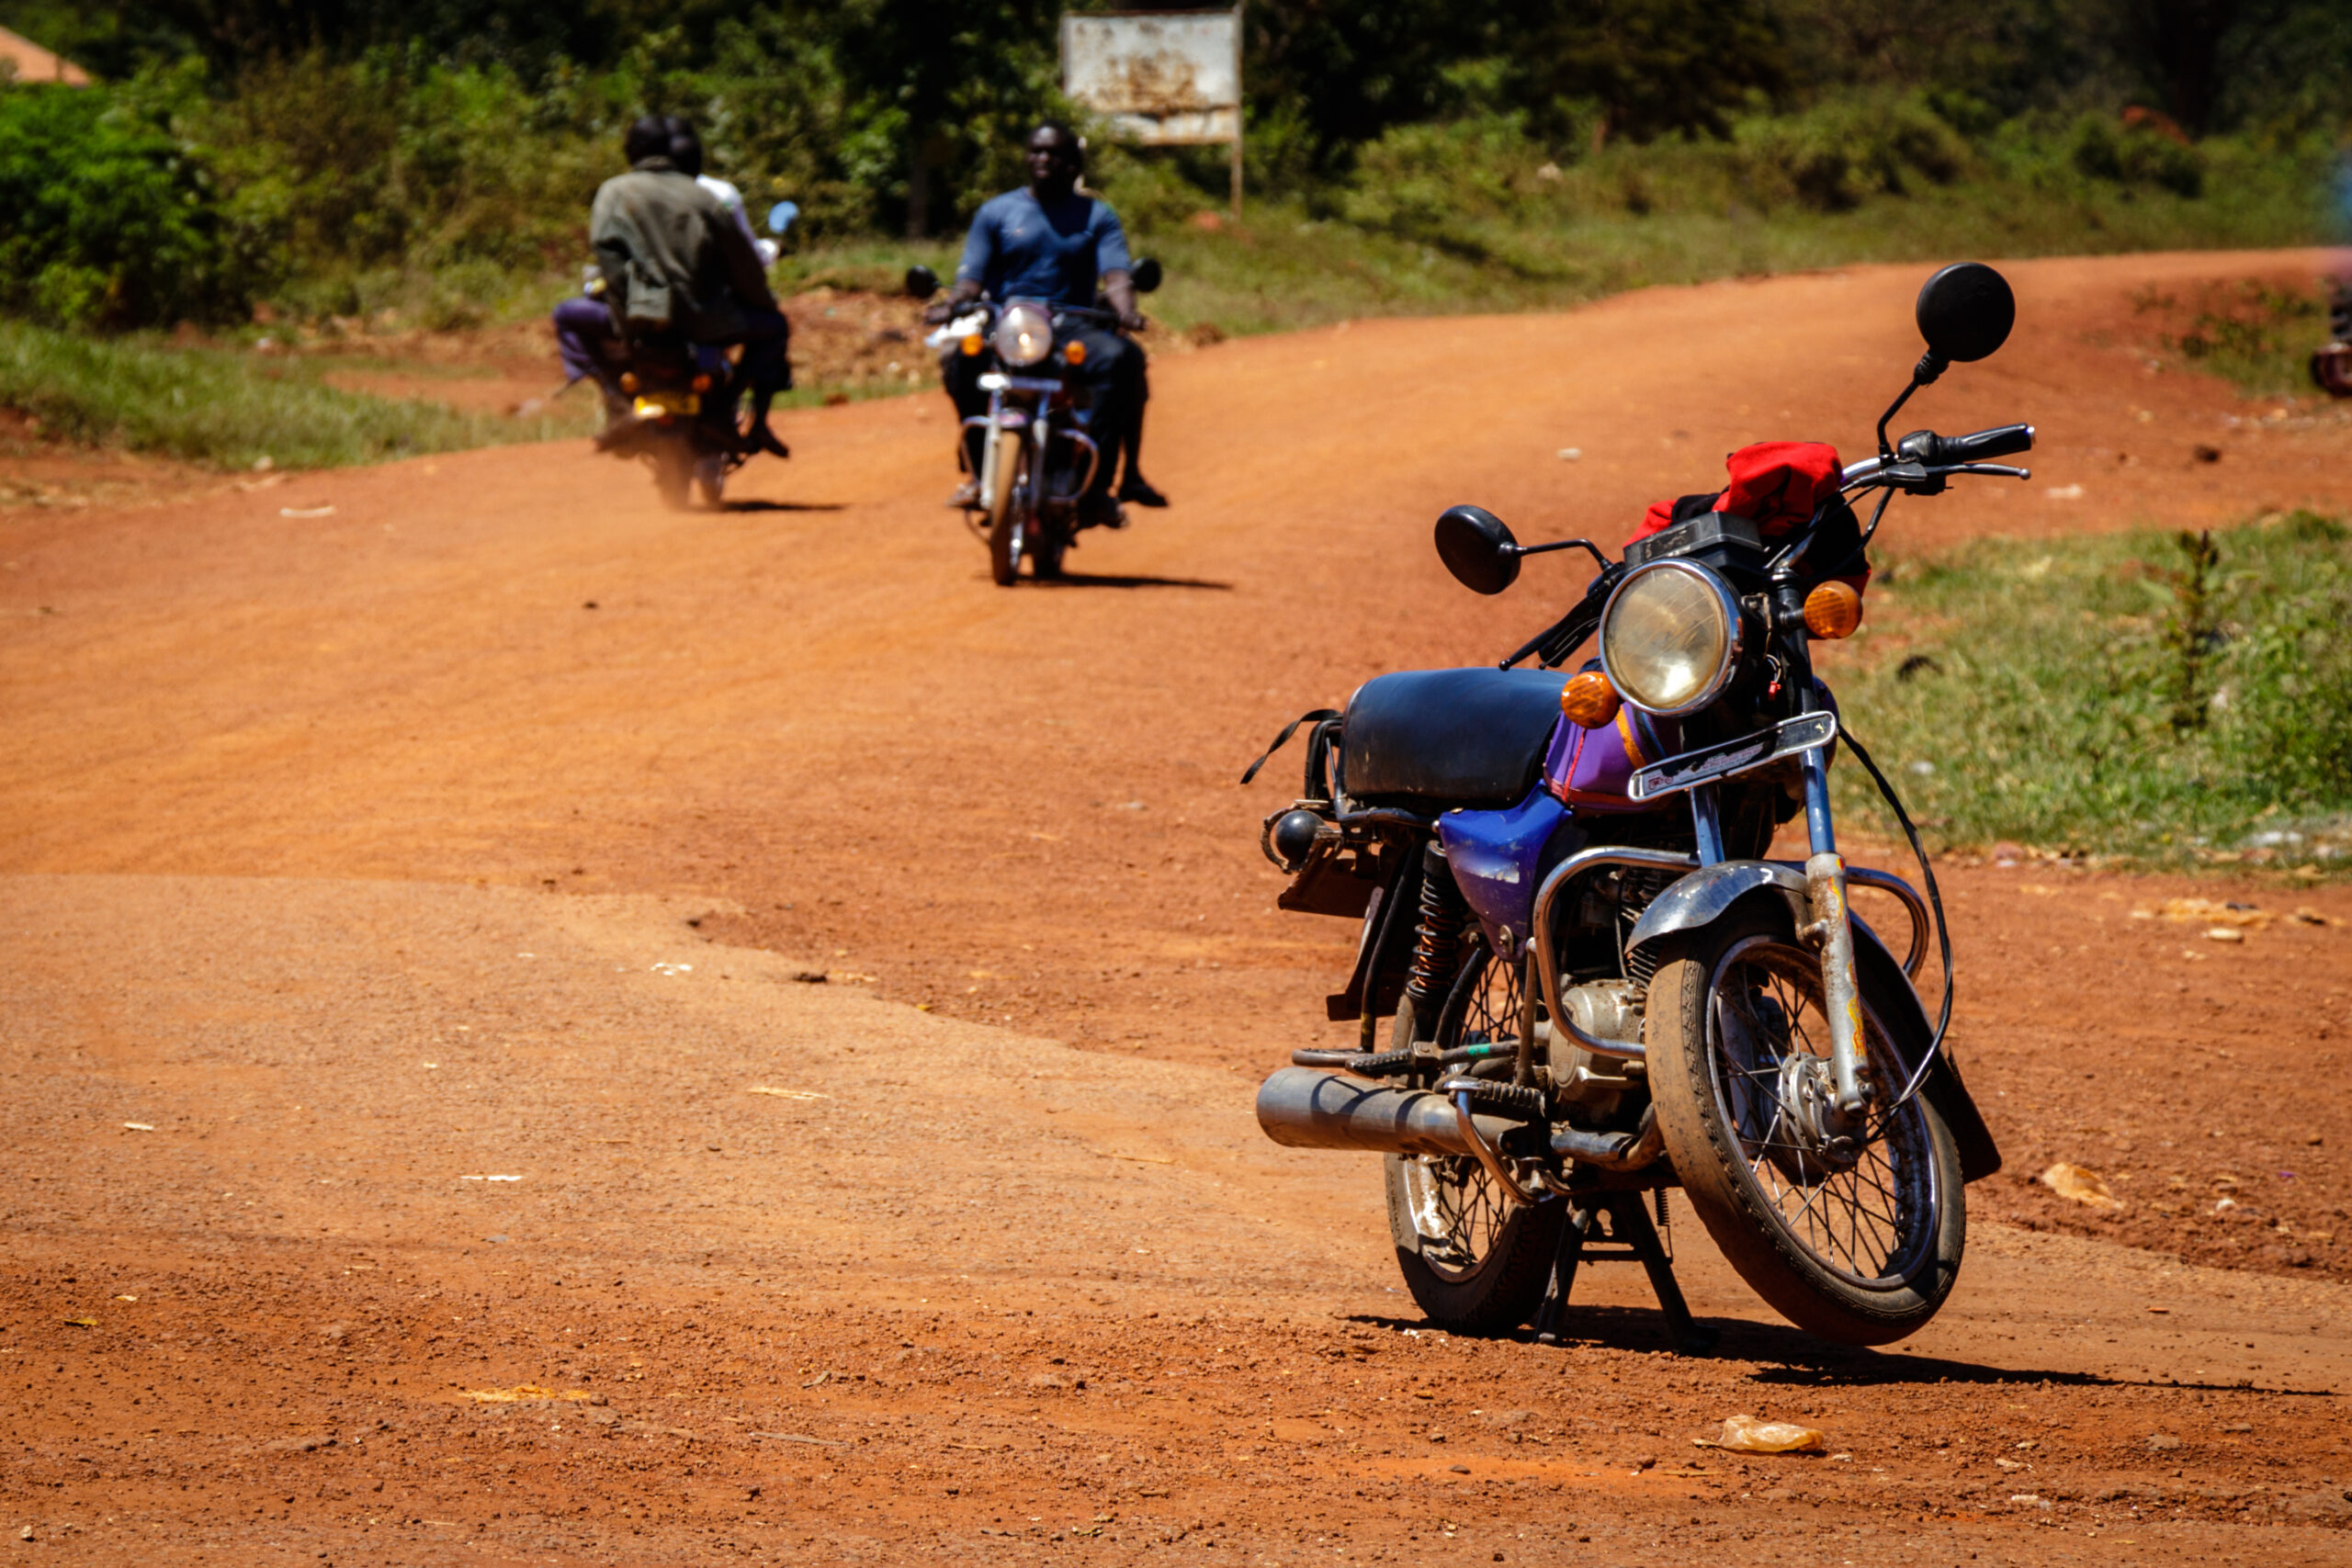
2106	697
2257	335
230	410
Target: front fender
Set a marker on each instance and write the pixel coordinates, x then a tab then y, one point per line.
1700	900
1706	895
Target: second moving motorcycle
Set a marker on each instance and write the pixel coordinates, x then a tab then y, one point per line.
686	415
1035	453
1600	984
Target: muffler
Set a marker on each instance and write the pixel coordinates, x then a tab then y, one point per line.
1309	1108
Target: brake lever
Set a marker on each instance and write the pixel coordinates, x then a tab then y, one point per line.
1990	470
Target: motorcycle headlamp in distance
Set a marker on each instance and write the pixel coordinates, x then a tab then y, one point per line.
1669	637
1024	335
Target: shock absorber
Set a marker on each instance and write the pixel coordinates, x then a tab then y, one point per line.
1437	943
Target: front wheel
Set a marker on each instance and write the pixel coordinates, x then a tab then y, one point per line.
1002	495
1852	1230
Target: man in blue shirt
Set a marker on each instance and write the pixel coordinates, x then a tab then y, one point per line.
1046	241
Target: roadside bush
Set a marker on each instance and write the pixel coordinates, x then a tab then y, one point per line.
1420	181
2106	149
1837	155
380	160
106	219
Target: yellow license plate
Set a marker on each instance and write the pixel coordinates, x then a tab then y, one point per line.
654	405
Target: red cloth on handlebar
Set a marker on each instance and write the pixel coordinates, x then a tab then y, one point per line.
1779	485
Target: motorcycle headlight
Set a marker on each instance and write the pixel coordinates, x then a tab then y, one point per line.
1669	637
1024	335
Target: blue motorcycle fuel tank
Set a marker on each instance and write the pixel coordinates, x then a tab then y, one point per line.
1496	858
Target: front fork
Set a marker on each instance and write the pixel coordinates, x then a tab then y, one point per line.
1832	925
1038	432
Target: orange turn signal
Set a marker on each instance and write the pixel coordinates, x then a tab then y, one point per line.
972	344
1833	610
1075	352
702	383
1589	700
629	380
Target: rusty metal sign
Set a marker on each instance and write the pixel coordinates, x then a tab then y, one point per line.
1161	78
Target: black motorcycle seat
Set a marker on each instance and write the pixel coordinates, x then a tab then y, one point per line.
1455	737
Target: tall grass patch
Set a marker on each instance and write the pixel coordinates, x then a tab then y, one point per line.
2168	699
230	410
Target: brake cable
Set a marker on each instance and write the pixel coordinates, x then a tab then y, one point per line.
1935	901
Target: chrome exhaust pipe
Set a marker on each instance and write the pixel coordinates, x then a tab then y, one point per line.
1309	1108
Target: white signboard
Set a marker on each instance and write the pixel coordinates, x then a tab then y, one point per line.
1162	78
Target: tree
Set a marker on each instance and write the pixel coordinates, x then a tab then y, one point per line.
1642	68
954	85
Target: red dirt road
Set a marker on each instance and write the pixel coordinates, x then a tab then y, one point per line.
289	795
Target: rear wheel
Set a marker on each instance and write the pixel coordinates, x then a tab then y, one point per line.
1475	1262
710	479
1047	544
1851	1231
673	470
1002	498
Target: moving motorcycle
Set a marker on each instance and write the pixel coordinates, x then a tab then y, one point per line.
1036	455
2330	363
1600	985
686	416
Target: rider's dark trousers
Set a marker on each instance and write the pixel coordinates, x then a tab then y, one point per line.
589	347
1112	373
766	367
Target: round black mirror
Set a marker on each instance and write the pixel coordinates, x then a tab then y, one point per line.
1477	548
921	282
1145	274
1966	310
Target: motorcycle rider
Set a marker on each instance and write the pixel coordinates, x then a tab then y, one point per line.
672	255
1049	242
685	148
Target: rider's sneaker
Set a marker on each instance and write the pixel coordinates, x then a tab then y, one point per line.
1101	512
967	496
760	438
1138	490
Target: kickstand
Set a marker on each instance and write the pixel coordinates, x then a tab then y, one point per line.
1629	1225
1632	1224
1565	1258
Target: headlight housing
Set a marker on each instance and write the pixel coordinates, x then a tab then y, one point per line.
1671	636
1025	336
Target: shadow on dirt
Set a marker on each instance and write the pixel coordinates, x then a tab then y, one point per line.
1086	580
784	506
1796	1360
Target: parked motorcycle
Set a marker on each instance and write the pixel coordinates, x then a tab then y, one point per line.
2330	363
1036	455
1600	985
686	417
